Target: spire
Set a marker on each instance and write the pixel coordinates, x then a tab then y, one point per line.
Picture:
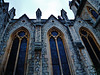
38	14
1	1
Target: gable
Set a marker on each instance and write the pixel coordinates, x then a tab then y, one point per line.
23	18
53	20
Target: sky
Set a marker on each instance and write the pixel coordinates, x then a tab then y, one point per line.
48	7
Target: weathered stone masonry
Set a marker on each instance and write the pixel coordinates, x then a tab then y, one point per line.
38	55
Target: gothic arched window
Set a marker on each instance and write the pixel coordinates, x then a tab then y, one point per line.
91	46
92	12
58	54
16	60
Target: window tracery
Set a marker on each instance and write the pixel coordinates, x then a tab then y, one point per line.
92	46
58	54
93	12
17	56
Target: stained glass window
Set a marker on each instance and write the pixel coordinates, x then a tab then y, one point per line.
91	46
59	59
94	46
17	54
93	13
54	33
12	57
89	49
63	58
21	58
22	33
83	32
55	59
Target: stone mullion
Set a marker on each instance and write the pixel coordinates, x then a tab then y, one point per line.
59	56
92	49
37	57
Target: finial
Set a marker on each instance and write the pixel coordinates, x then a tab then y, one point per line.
12	13
38	14
64	14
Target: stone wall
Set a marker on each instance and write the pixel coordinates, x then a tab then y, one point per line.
86	59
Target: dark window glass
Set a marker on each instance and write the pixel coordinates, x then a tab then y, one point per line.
94	14
76	5
55	59
22	33
12	57
94	47
78	1
89	49
63	58
83	32
54	33
21	57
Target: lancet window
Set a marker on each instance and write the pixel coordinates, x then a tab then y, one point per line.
92	46
58	54
92	12
17	55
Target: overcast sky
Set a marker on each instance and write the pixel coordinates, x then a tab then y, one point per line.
47	7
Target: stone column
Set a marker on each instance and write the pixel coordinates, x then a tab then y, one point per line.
37	58
38	33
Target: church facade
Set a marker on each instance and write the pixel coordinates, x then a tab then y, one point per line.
53	46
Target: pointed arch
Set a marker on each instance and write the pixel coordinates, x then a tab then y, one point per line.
20	29
55	29
94	14
58	54
16	52
91	45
